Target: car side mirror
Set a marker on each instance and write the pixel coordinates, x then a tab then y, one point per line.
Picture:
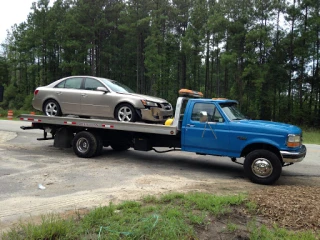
203	116
102	89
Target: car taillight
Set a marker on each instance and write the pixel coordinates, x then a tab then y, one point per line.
36	92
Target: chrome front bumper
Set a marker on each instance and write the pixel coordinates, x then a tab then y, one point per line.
293	157
155	114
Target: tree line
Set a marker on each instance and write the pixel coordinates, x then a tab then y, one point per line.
263	53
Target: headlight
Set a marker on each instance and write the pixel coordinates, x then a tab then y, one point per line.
294	140
149	103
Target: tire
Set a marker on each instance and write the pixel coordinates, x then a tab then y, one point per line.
262	167
52	108
120	146
85	144
99	146
126	113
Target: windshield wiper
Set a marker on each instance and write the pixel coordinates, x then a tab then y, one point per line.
238	119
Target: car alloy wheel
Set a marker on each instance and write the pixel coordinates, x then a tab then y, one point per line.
52	108
126	113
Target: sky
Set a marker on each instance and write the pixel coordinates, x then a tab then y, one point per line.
13	11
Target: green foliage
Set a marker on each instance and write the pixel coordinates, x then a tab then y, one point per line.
264	233
51	227
234	49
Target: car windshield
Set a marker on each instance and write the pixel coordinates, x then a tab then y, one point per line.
230	109
116	86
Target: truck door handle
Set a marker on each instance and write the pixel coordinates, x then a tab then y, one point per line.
190	125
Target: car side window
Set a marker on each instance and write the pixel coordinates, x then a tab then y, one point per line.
61	84
213	115
217	117
74	83
92	84
202	107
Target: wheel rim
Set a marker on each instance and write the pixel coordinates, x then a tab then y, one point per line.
262	167
82	145
51	109
125	114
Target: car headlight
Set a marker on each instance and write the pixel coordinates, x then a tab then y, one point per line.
294	140
149	103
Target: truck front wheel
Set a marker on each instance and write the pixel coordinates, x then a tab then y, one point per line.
85	144
262	167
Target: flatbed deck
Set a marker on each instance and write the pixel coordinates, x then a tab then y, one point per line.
102	124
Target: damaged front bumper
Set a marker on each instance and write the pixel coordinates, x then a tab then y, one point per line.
155	114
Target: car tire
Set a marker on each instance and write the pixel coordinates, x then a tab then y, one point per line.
85	144
262	167
52	108
126	113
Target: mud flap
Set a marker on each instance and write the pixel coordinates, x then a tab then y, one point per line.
63	138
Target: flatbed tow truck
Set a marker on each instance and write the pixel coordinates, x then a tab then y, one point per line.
203	126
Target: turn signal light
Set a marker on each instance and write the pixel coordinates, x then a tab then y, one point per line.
293	144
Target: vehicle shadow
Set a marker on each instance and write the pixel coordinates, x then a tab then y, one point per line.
177	161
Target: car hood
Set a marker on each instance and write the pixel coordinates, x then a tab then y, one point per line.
269	126
146	97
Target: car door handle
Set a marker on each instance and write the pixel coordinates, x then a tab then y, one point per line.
190	125
83	95
59	93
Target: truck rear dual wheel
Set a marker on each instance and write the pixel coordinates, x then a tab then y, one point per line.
86	144
262	167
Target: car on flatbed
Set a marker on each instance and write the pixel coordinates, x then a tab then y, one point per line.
88	96
202	126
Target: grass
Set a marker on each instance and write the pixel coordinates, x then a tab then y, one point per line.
171	216
311	136
264	233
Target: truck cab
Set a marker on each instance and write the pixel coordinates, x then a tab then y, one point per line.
217	127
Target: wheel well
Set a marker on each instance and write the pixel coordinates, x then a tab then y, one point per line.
48	99
116	107
45	101
256	146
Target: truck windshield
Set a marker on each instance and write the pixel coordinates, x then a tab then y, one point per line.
230	109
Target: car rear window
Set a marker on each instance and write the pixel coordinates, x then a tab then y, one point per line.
73	83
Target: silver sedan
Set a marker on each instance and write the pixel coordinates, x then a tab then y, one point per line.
88	96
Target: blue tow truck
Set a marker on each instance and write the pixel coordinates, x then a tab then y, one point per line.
202	126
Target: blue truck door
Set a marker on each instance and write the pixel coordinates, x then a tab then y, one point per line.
205	131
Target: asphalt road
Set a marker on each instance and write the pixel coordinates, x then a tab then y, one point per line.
73	183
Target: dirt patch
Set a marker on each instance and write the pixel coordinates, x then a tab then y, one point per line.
7	136
292	207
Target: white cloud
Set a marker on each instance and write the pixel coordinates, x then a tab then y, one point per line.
13	12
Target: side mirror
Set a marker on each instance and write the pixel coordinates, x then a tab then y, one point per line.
203	116
1	93
102	89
